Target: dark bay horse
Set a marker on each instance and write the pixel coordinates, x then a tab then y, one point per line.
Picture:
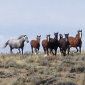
35	44
64	44
51	44
76	41
17	43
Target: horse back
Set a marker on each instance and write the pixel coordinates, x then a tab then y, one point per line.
73	41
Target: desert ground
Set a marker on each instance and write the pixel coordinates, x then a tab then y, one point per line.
28	69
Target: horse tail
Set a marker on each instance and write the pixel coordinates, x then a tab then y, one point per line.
6	43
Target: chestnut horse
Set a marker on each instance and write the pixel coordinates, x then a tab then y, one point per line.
76	41
45	44
35	44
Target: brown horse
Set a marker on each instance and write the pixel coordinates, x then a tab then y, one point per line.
35	44
76	41
45	44
64	44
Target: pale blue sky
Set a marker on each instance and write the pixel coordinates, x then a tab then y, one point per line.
34	17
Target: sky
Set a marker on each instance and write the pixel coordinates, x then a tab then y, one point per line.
40	17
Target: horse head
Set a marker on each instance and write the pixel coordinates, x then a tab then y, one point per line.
61	36
79	34
38	38
66	35
26	39
56	35
48	37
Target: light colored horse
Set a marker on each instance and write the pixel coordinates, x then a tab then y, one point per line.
17	43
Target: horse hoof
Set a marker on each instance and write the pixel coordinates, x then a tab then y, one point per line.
45	55
35	53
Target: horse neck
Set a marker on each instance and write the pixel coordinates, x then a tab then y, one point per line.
38	40
56	37
22	40
48	38
78	36
61	36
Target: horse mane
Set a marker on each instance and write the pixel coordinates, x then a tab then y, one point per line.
21	36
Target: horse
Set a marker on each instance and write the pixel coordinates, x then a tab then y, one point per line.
45	44
17	43
53	44
76	41
64	44
35	44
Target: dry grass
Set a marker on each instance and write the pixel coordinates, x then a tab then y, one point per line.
39	70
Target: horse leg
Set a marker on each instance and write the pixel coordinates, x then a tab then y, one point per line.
64	52
11	50
35	51
80	49
32	49
60	49
44	50
19	50
56	51
22	51
38	49
51	51
47	51
77	49
68	50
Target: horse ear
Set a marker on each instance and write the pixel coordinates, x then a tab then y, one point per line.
81	30
25	35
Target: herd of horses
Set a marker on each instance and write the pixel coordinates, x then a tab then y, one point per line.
50	45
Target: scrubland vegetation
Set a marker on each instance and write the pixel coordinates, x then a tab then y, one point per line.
38	69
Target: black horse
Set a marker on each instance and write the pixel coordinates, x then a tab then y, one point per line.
53	44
